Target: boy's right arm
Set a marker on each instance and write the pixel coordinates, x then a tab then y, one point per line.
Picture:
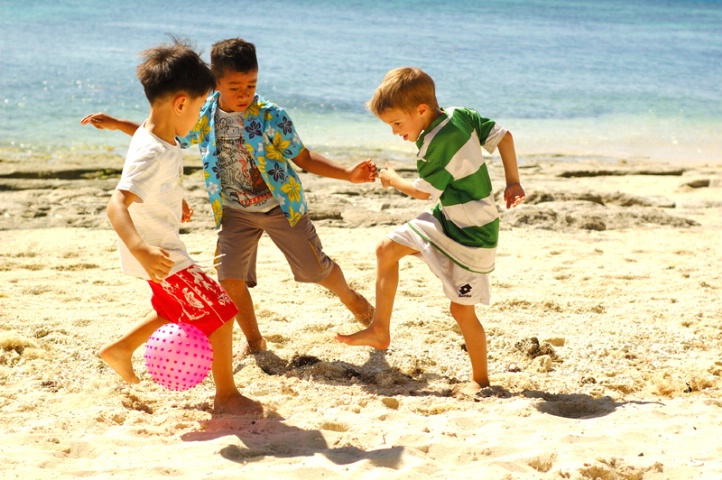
101	121
155	260
390	178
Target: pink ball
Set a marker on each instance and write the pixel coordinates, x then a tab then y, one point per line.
178	356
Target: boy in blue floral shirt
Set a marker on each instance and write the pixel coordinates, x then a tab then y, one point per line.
246	143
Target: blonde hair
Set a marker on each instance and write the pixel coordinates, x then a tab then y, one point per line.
405	89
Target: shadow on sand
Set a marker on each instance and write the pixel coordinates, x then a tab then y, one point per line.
271	437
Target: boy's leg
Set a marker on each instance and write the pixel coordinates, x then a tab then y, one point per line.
304	252
475	339
246	317
238	245
378	333
118	355
357	304
193	297
228	399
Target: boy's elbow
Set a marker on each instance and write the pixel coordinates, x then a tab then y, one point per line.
116	202
111	208
303	159
110	203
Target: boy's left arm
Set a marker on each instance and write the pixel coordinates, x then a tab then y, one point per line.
514	193
364	171
103	121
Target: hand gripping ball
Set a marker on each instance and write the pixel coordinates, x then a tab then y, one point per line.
178	356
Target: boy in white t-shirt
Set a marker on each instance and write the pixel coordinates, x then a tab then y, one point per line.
146	211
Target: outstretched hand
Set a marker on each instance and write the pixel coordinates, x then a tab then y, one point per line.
363	172
100	121
386	174
513	195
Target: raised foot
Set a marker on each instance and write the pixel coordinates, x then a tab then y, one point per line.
362	310
120	361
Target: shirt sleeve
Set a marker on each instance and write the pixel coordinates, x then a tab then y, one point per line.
139	174
490	133
284	130
424	186
194	136
433	177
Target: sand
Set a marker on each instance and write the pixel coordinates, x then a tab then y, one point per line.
604	333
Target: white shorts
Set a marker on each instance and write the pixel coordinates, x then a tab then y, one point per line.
460	285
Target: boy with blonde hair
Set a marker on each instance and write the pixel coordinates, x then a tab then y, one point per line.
458	237
146	210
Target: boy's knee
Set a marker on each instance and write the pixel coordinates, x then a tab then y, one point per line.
463	313
384	250
232	285
332	273
222	333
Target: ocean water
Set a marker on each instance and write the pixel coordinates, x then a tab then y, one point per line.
640	81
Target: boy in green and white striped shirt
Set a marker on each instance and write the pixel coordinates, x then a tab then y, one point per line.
458	237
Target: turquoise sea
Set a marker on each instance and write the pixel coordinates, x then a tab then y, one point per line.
640	81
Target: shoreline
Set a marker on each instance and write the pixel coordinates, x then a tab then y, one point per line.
26	159
634	139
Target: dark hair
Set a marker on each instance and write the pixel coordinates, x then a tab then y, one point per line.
233	54
172	68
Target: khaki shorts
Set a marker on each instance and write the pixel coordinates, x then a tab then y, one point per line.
238	244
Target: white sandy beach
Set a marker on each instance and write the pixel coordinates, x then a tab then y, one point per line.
605	340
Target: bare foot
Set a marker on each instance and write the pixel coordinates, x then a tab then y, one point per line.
236	404
366	318
362	310
493	391
120	361
372	336
474	390
249	348
468	389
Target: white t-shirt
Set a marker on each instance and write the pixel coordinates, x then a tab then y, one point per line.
153	171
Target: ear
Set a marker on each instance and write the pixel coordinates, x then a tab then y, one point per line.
180	103
422	109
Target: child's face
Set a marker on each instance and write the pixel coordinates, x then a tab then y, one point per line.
237	90
407	125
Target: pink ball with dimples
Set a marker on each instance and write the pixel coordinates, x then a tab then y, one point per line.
178	356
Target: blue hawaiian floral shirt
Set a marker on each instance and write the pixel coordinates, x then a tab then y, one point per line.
272	141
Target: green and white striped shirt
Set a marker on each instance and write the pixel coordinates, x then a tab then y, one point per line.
452	169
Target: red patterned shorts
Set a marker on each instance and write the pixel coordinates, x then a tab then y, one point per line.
190	296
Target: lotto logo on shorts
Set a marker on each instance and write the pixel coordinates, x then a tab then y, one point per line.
464	291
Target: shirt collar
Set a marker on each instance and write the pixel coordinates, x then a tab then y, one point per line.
434	124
